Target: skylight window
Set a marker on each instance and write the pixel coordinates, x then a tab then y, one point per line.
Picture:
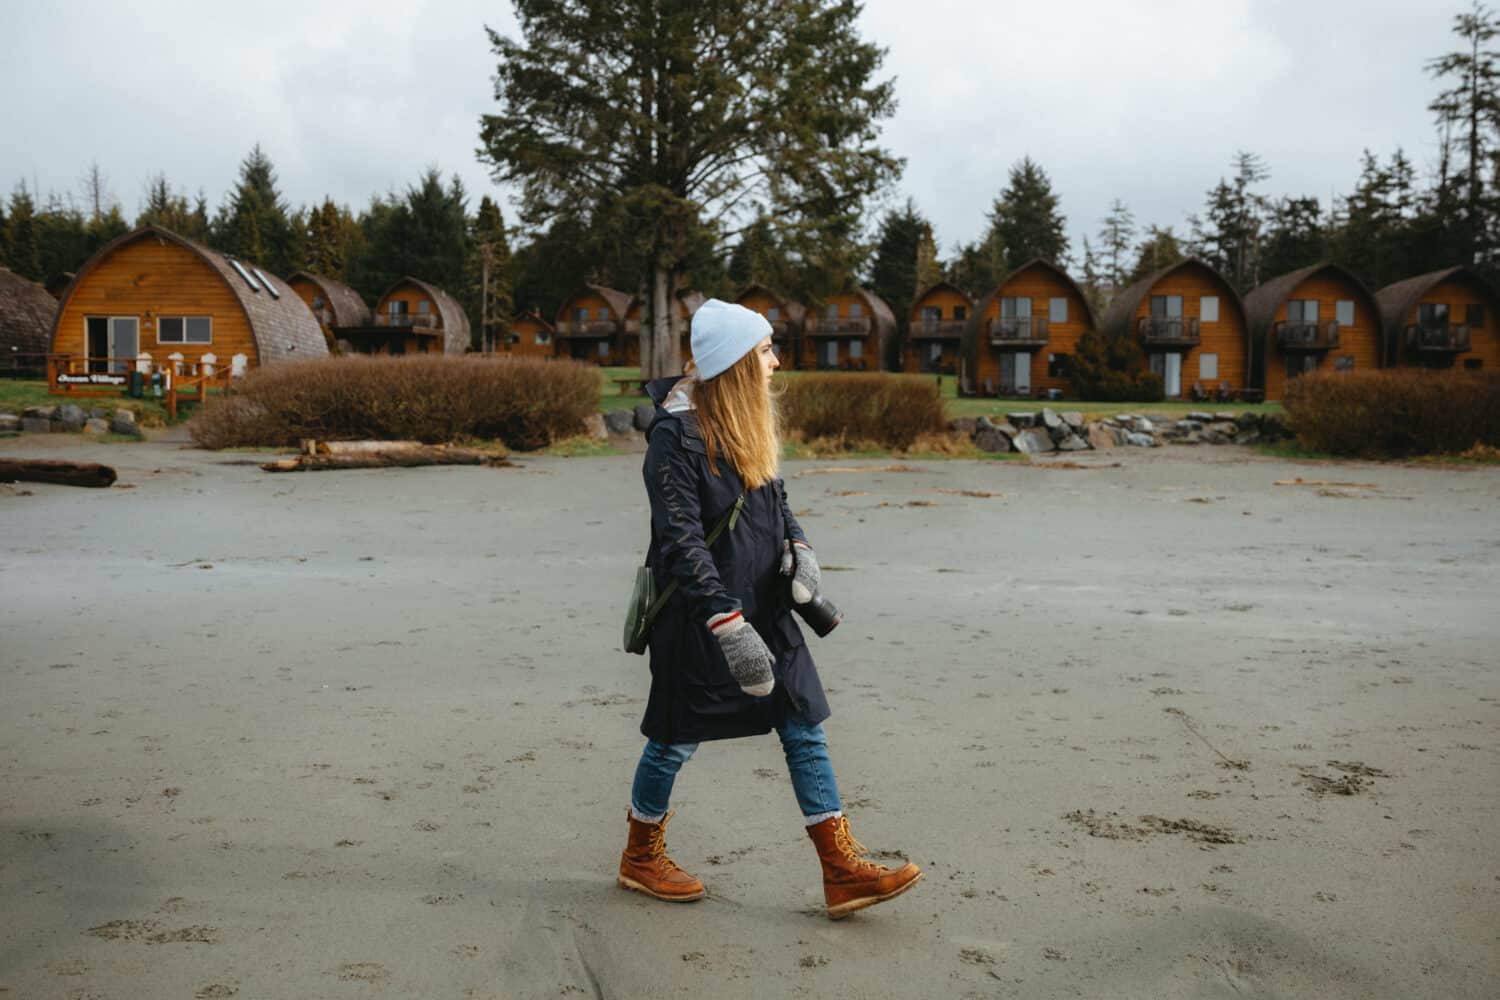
267	282
244	274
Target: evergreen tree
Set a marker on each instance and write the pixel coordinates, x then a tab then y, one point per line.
1112	369
1161	248
1472	107
706	115
164	207
490	276
893	275
977	268
1371	229
62	237
23	250
253	224
1228	237
929	268
1116	235
757	259
1026	222
1095	288
325	249
1294	236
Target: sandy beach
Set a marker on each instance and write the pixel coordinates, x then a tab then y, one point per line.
1154	727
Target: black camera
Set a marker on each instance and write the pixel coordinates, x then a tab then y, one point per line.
821	614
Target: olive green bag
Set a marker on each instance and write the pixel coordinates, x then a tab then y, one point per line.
646	603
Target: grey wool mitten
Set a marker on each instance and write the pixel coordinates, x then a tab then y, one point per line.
749	659
799	563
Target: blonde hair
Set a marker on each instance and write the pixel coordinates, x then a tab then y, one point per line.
737	417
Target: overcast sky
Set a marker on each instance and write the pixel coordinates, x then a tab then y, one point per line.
1141	100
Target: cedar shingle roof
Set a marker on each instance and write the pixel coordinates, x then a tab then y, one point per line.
27	312
346	305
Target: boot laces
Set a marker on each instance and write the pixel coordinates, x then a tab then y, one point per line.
848	846
659	845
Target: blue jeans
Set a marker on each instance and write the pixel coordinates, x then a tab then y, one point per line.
806	751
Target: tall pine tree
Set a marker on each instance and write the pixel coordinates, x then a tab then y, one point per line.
894	273
23	249
1471	109
659	126
490	277
1026	221
253	222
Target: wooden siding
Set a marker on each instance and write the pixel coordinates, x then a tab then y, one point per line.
430	341
148	279
524	333
1041	285
946	301
587	349
869	350
308	292
1226	338
1360	342
1458	293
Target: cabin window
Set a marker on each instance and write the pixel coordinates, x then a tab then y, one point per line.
243	274
960	312
855	310
267	282
543	337
424	307
1057	310
1343	311
184	330
1473	364
1057	364
773	314
934	352
1166	306
397	307
856	348
1343	363
828	354
1208	366
1208	309
1012	308
1432	313
930	316
831	311
603	314
1302	310
1474	315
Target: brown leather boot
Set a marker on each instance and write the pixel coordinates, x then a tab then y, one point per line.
849	881
646	868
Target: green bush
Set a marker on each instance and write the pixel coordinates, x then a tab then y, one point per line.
889	410
1395	413
526	403
1113	370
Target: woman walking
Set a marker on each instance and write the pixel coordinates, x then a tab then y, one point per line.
727	658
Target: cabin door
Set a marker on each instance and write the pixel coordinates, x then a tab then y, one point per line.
828	354
1023	371
113	342
1168	364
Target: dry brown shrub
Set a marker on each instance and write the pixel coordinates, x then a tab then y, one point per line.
1395	413
526	403
890	411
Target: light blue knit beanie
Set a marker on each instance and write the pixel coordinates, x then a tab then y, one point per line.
722	334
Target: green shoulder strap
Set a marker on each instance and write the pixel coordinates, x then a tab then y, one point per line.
728	521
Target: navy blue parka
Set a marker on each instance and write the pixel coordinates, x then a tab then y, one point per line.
693	697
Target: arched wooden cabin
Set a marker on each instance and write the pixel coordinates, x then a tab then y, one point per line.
1019	337
412	317
333	303
784	315
1191	323
155	292
27	311
852	331
935	330
1318	317
1442	319
590	326
531	336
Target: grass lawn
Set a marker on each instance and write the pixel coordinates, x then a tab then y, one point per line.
971	407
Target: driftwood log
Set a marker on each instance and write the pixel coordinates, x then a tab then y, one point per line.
46	470
318	455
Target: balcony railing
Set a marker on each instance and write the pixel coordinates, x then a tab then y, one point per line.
1169	331
938	329
414	321
853	326
1018	331
1307	336
1439	337
587	328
